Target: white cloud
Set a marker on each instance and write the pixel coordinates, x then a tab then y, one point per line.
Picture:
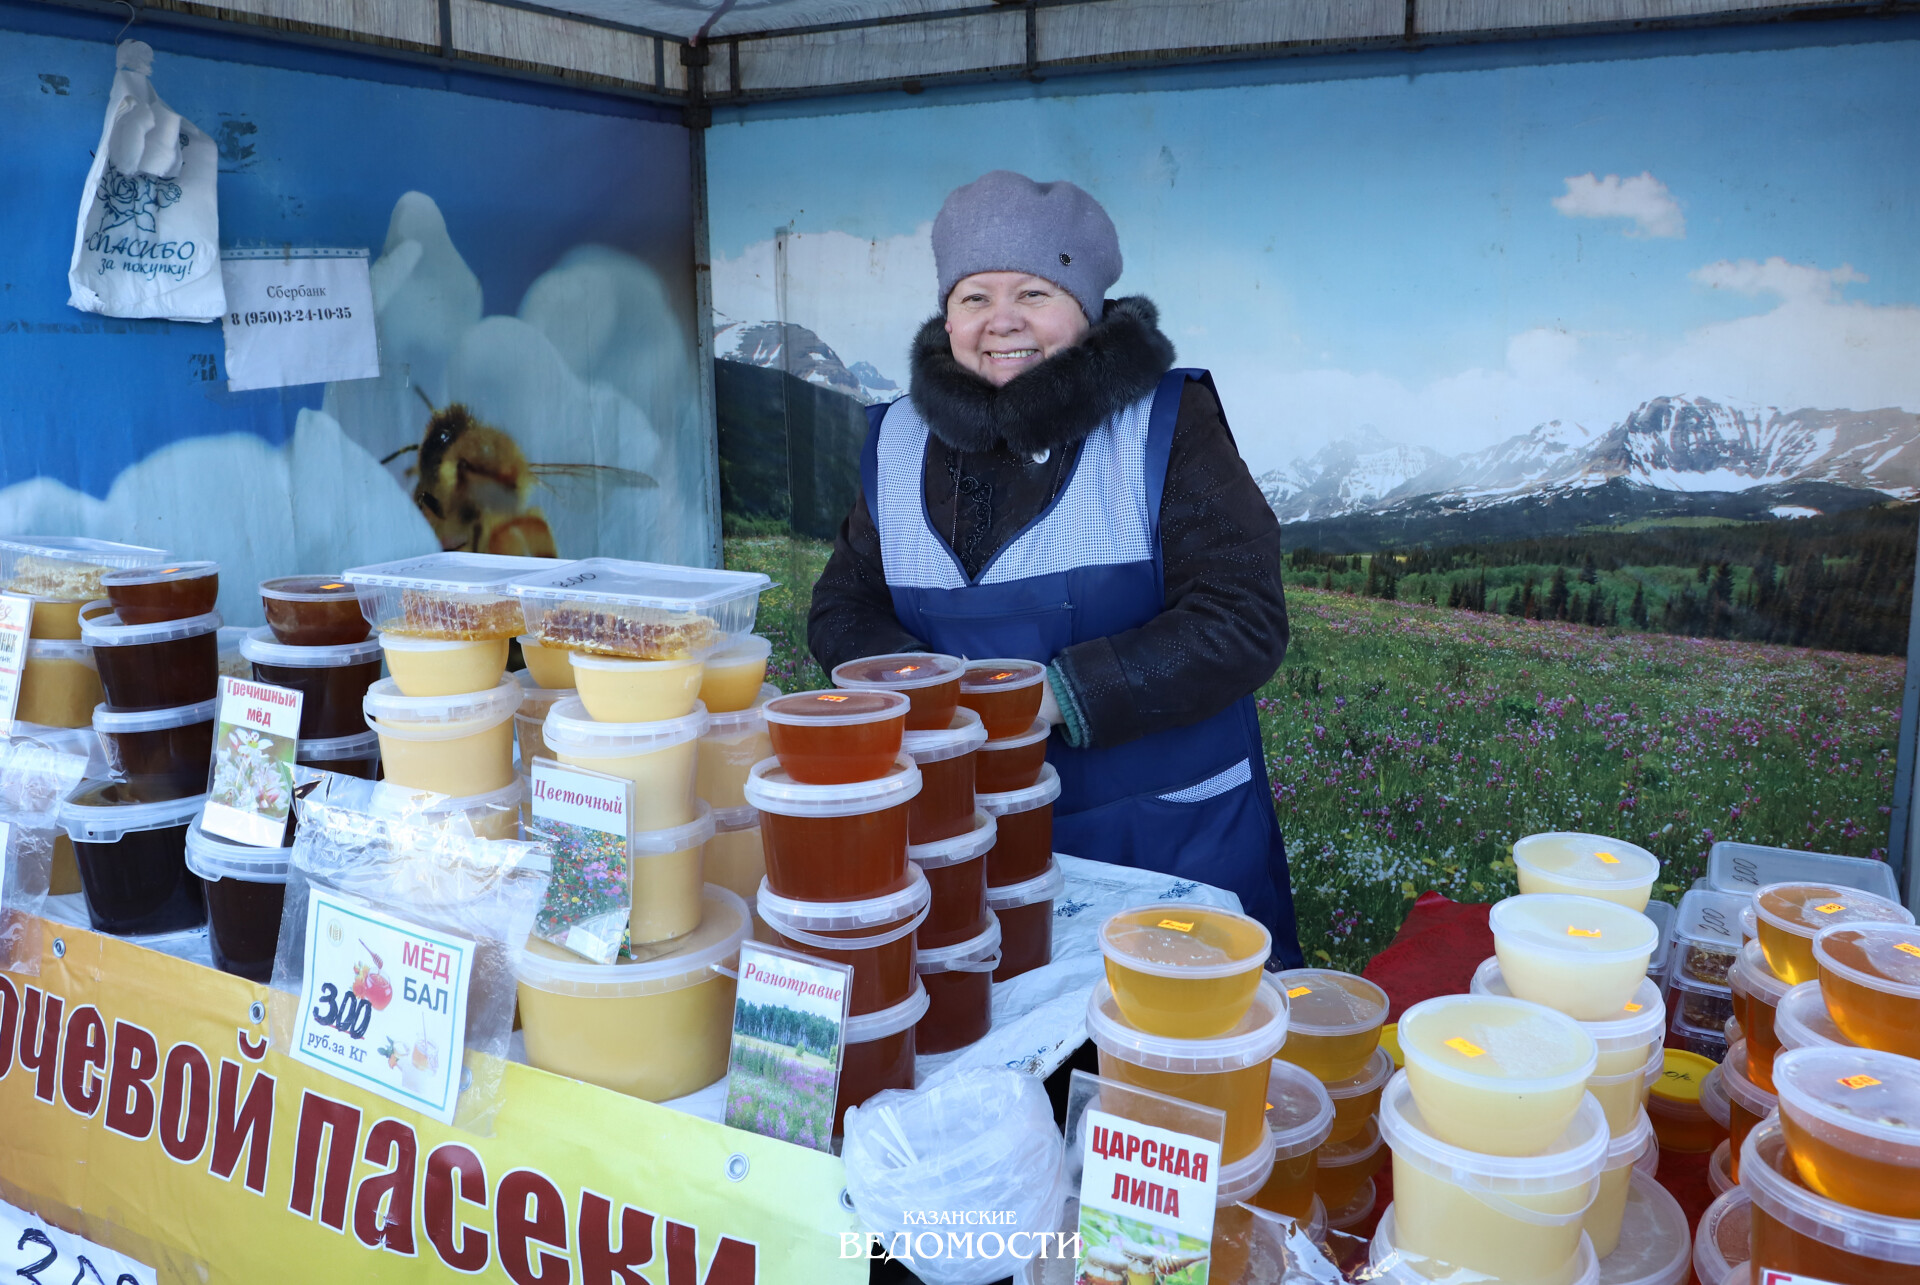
1641	198
1795	281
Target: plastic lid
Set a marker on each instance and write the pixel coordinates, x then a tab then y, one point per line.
1752	971
1595	931
105	630
1656	1241
1242	1179
1768	1174
975	841
1325	1002
1858	1091
1626	1148
1714	1099
80	548
58	649
1892	954
1375	1073
306	588
569	730
901	671
742	721
98	812
695	958
1681	1075
1587	861
1386	1266
1038	730
65	568
965	734
1358	1209
832	707
384	701
447	572
585	660
159	574
261	647
1746	868
864	1028
1710	918
1352	1151
1749	923
1577	1156
1256	1039
1720	1168
1000	675
1802	1020
1179	939
641	584
537	702
749	650
772	789
1723	1240
846	916
393	640
332	748
982	952
1662	915
1805	909
1042	887
214	859
1640	1021
727	820
1299	1112
109	722
1038	795
1483	1041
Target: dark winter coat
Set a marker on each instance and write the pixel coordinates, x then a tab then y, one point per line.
997	459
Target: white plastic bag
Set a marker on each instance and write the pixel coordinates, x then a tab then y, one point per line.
147	243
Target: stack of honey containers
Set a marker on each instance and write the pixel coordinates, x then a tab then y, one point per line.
1821	1093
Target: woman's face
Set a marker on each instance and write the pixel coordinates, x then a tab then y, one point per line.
1001	323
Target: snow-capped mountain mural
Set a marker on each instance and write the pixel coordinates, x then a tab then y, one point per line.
801	352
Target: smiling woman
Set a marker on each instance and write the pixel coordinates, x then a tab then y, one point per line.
1003	323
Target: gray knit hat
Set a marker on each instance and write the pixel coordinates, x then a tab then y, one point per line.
1006	222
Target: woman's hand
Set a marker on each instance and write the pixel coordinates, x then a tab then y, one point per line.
1049	710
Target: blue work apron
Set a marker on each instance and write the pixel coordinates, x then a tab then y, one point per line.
1192	802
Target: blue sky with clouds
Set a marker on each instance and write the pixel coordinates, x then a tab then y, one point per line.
1392	243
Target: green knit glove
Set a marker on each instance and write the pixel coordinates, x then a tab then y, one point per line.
1073	725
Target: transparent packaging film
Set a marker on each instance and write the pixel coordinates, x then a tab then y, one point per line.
33	780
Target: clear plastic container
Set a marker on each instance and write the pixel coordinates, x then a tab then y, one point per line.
1499	1076
445	595
1005	693
493	815
659	758
1679	1121
640	610
734	858
1798	1231
667	880
1348	1164
1852	1120
873	936
1656	1239
878	1054
617	690
132	859
1705	937
1697	1009
946	757
349	755
1722	1240
1025	842
1335	1023
443	666
929	681
733	742
173	591
1389	1264
1228	1072
1515	1220
1803	1020
1746	868
158	753
67	567
1352	1217
1298	1116
836	737
1870	978
245	888
549	667
1025	911
1622	1041
313	611
1609	1206
59	684
1586	865
834	842
530	720
333	680
1662	915
959	982
1581	956
453	745
735	674
163	666
1015	762
657	1028
1793	914
1720	1179
1756	997
956	869
1184	970
1356	1099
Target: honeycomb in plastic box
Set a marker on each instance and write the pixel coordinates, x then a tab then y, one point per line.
426	613
636	633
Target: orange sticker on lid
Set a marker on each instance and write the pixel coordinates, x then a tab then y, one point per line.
1831	906
1582	932
1859	1081
1467	1047
828	697
907	669
335	585
1002	676
1608	857
1634	1008
1177	926
1907	946
1298	991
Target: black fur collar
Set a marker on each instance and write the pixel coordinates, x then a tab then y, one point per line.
1119	360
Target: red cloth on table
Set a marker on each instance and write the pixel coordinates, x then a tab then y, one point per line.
1435	953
